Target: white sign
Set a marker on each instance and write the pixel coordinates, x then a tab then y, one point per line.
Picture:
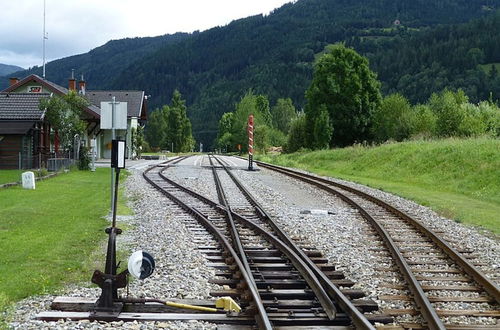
28	180
121	154
93	143
120	119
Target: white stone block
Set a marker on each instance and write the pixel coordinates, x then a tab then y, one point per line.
28	180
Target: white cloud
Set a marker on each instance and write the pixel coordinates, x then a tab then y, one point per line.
77	26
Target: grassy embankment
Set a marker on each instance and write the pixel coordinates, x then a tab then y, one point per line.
9	176
49	236
458	178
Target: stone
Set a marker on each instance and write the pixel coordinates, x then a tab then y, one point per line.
28	180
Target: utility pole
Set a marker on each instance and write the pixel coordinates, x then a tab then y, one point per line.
44	38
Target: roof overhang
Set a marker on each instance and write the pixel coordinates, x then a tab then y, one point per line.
16	127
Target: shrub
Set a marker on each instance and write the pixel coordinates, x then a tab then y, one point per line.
84	161
424	122
393	119
447	106
298	135
472	124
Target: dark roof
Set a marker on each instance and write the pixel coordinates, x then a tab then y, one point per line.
92	110
21	106
16	127
134	99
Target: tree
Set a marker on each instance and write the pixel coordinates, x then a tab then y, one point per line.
224	136
156	129
392	120
322	130
255	105
283	113
64	113
298	134
447	106
170	126
343	84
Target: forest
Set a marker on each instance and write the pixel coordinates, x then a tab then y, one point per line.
415	47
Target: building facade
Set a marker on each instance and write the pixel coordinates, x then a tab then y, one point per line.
36	142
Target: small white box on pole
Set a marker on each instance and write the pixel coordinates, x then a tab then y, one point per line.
28	180
118	154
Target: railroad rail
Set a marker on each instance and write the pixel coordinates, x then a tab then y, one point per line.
427	262
287	286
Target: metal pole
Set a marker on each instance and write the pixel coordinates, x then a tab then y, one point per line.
44	38
172	147
112	138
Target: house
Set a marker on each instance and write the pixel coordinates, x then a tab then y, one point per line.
24	133
136	113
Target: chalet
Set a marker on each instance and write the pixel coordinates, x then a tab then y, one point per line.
23	130
41	147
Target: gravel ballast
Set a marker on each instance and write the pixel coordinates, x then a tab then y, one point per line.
181	271
341	234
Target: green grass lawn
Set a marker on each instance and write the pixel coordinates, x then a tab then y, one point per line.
8	176
459	178
49	236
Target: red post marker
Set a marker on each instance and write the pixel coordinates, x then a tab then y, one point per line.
250	143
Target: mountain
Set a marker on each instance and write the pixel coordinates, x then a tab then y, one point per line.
6	69
465	56
101	65
270	54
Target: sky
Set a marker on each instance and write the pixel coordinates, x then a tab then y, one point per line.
76	27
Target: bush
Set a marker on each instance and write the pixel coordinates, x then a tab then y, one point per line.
490	115
472	123
276	138
84	161
447	106
393	119
424	122
298	135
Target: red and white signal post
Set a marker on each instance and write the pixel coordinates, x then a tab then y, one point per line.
250	143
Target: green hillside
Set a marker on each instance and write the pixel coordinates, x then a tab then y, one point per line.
458	178
6	70
273	55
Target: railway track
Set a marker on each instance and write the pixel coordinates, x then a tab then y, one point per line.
277	282
437	277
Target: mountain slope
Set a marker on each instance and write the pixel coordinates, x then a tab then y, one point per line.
6	69
101	65
272	54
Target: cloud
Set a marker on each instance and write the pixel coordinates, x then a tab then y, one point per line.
76	27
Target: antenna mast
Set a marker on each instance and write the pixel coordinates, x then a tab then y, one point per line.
44	38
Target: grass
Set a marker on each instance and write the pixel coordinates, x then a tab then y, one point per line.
459	178
49	236
8	176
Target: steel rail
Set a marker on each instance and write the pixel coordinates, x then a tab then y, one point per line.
324	300
298	263
261	316
488	285
426	309
230	221
358	319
